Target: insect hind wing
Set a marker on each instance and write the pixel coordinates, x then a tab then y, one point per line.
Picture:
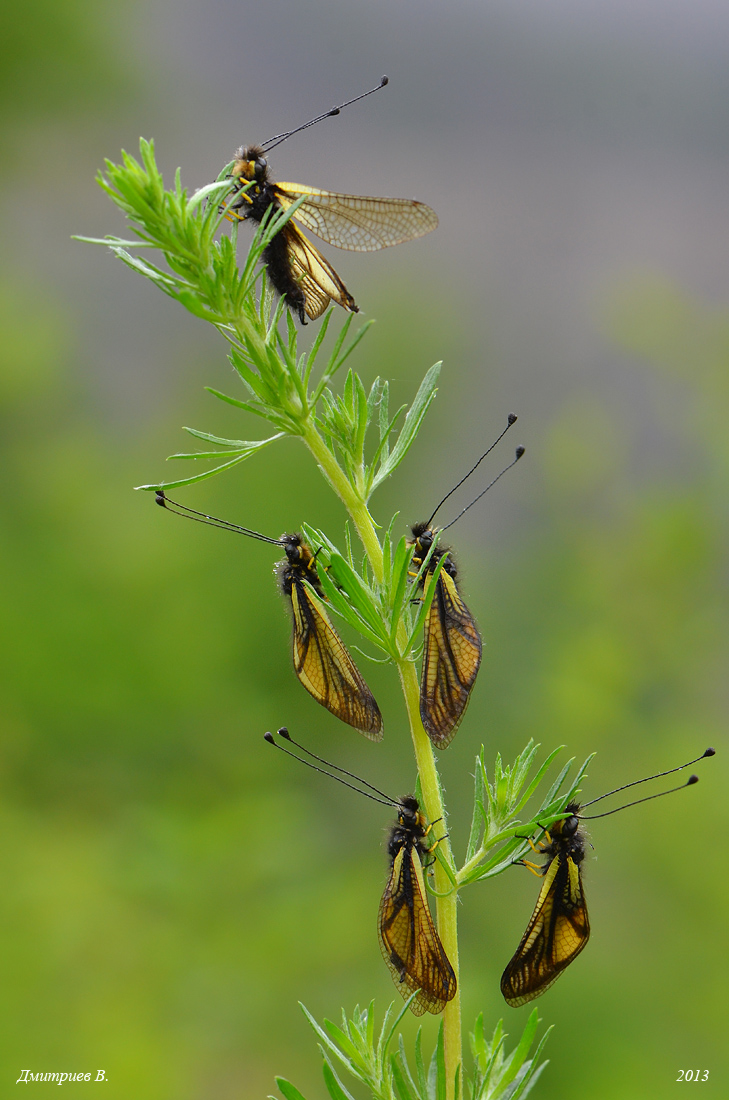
409	941
451	660
326	669
556	933
316	277
358	223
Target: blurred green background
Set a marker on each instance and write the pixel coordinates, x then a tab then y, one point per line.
170	888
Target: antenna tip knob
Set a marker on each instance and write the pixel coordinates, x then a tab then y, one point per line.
269	737
512	418
384	80
691	780
519	452
161	499
710	752
283	732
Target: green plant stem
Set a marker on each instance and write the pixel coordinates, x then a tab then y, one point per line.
446	906
352	502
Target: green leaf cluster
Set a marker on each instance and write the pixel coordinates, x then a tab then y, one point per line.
344	421
376	609
497	836
202	273
370	1059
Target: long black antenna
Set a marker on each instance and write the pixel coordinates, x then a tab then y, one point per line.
511	419
593	817
658	775
519	452
200	517
283	732
278	138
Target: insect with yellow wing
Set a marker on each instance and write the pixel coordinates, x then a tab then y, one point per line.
559	927
409	942
359	223
321	660
452	647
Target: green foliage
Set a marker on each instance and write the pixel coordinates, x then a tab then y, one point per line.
376	597
344	421
203	276
499	1076
376	609
370	1060
497	803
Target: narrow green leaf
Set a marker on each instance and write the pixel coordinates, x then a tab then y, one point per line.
349	611
403	1061
370	1032
494	1056
345	1043
289	1091
529	1080
514	1061
400	566
577	781
316	346
202	454
111	240
383	408
450	872
362	419
436	1072
477	819
383	1037
534	1070
553	790
202	193
413	420
190	299
382	454
238	444
478	1042
328	1044
335	1087
522	767
396	1021
167	282
359	594
404	1089
420	1065
536	780
191	480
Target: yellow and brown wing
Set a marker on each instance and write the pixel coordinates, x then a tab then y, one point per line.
451	660
315	275
558	930
410	944
325	668
358	223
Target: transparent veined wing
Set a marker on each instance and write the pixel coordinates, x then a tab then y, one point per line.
326	669
359	223
558	930
451	660
317	278
410	944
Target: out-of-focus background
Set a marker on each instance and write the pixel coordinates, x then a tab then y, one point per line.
169	888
